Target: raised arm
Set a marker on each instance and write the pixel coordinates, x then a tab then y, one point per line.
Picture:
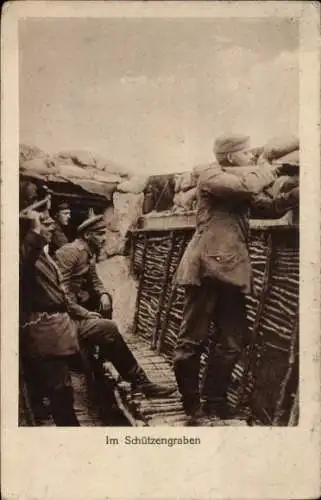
238	185
277	200
33	242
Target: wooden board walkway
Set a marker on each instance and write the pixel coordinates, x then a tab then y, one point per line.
167	412
133	408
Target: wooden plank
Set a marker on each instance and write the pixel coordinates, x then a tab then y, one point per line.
169	221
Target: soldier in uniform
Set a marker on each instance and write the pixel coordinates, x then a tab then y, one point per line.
61	214
215	269
51	326
77	262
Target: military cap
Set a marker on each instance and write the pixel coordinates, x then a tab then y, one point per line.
231	143
61	205
95	223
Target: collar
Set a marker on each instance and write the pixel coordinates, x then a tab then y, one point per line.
83	245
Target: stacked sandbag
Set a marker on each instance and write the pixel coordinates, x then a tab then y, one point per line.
35	160
136	184
277	147
285	190
87	159
185	191
185	200
27	153
128	200
40	167
127	207
185	181
81	158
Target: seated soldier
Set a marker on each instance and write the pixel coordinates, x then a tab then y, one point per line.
52	325
77	262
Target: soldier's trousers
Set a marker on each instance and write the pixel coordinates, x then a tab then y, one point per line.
51	373
225	305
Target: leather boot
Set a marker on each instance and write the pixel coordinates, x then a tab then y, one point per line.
187	377
61	405
141	383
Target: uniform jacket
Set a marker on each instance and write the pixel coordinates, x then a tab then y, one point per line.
218	249
79	274
46	312
59	238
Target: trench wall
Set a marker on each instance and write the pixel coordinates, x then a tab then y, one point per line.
271	381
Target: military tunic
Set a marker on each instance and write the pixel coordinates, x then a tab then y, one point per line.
216	273
79	274
52	324
59	238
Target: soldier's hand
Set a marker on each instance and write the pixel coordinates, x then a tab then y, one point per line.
93	315
105	303
34	218
288	183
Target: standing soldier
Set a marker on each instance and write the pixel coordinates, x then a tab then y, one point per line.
61	214
216	269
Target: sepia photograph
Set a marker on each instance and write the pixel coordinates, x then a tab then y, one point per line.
159	207
162	284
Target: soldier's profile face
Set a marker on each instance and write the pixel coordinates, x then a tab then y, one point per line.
241	158
63	216
47	228
96	239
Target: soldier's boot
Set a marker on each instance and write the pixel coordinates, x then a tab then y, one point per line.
215	394
187	377
141	383
62	409
118	352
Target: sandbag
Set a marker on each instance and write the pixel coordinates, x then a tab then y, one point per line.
112	168
188	181
106	177
59	160
127	209
185	200
177	181
101	188
292	158
37	166
280	146
135	185
74	172
283	184
81	158
27	153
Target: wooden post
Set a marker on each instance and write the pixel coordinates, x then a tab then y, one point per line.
140	285
163	291
258	316
292	359
162	332
294	415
